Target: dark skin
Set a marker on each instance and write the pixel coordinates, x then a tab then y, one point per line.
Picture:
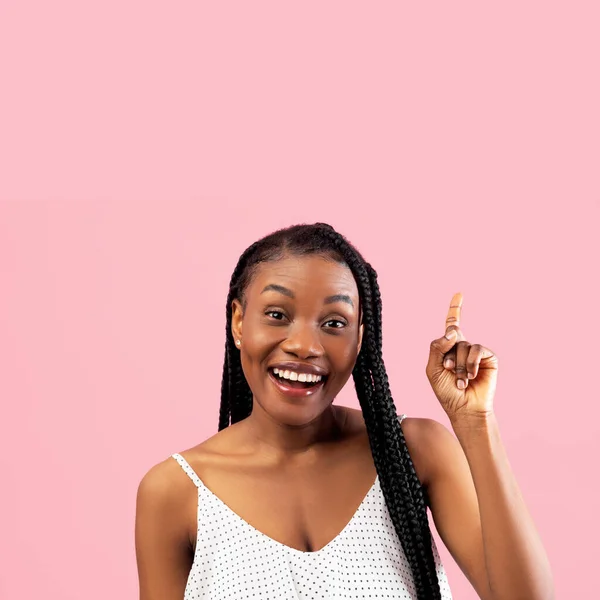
297	469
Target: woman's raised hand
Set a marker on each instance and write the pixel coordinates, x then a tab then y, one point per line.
463	375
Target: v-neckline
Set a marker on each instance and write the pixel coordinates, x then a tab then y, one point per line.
291	549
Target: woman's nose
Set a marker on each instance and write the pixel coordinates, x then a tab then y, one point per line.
303	342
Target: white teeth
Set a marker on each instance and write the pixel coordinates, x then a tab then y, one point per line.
293	376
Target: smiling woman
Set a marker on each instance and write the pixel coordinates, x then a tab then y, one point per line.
296	497
299	315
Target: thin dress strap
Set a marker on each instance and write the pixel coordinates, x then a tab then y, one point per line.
401	418
189	471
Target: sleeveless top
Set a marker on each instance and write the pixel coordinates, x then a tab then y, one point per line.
235	561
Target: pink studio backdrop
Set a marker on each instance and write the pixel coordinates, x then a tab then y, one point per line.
144	145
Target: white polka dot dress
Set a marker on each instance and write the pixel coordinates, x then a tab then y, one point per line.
233	560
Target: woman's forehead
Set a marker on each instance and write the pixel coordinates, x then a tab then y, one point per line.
317	273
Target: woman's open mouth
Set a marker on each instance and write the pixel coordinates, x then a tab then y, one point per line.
295	383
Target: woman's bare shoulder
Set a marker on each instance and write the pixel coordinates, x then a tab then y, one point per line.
165	525
166	480
429	443
164	484
417	428
168	494
428	440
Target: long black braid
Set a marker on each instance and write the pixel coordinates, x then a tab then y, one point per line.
404	495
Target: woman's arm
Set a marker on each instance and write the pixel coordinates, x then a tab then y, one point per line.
162	543
516	561
463	376
478	509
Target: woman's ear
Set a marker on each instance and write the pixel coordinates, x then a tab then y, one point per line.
361	331
237	315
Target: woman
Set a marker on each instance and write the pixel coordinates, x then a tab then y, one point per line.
296	497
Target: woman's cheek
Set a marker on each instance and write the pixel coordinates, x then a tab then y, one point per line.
263	337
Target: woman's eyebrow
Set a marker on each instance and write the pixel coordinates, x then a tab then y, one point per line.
339	298
273	287
278	288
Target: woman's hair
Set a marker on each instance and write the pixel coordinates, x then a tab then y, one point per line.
404	495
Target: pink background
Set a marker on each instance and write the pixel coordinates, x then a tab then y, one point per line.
144	145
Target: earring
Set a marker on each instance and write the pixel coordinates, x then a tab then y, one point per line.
238	342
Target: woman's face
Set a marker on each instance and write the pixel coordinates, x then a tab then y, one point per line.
301	333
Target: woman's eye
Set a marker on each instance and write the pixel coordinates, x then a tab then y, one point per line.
335	324
275	314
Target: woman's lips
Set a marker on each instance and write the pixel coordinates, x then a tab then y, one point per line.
295	392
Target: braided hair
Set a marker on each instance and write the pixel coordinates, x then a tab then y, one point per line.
404	496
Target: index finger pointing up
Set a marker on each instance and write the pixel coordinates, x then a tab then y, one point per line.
453	317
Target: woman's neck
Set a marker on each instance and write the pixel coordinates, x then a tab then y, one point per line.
293	441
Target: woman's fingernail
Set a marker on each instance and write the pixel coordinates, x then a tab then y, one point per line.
461	384
448	363
451	334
